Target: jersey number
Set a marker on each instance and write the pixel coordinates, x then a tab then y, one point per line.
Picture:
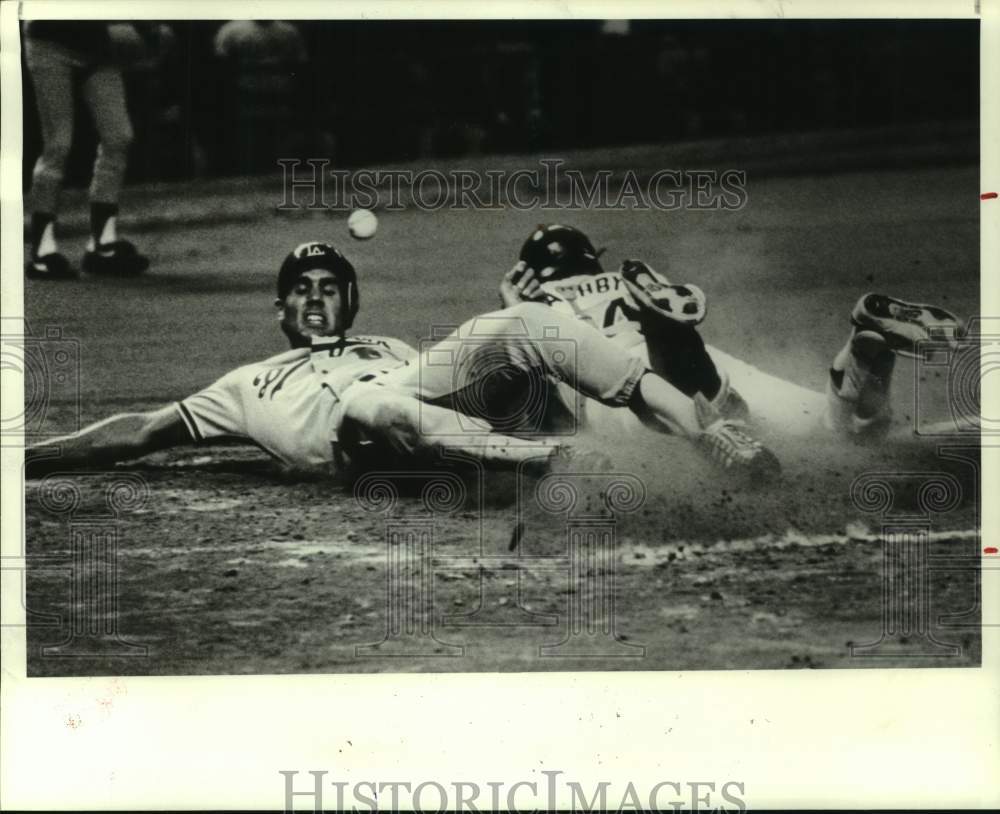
619	311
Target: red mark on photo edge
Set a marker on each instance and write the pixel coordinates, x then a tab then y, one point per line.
990	550
986	196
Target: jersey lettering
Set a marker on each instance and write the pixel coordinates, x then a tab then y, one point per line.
602	301
275	376
601	285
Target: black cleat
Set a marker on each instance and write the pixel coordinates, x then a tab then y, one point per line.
118	259
49	267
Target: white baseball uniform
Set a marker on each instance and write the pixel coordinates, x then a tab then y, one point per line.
290	404
604	302
294	405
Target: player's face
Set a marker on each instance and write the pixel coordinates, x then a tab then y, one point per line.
311	308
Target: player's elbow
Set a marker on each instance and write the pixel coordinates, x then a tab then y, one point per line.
121	437
134	433
131	435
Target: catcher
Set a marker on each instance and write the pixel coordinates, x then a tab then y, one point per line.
350	401
656	321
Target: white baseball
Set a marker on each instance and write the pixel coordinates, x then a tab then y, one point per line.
362	224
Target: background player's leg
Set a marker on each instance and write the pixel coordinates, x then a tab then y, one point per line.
104	92
52	78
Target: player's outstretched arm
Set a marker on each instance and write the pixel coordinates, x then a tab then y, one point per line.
119	438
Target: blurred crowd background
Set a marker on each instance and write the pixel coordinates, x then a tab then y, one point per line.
229	98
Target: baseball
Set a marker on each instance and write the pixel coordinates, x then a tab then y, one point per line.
362	224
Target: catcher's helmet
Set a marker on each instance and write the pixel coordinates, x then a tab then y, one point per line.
556	252
318	255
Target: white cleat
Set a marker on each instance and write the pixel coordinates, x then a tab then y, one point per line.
904	324
728	442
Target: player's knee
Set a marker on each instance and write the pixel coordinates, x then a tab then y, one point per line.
116	142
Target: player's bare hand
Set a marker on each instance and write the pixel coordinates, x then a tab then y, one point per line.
518	285
530	285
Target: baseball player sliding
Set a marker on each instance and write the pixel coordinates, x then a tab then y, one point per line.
337	400
656	322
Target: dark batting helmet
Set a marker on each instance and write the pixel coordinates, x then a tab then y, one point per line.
555	252
318	255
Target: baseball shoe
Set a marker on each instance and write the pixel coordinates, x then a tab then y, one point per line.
49	267
904	324
858	385
684	304
727	442
118	259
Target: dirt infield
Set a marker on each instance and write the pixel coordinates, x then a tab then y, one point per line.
226	564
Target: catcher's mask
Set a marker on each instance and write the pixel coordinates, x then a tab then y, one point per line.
556	252
318	255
